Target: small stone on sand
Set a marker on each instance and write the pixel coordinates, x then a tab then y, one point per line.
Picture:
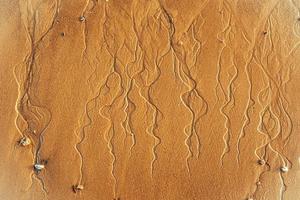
77	188
284	169
258	183
261	162
81	18
39	167
25	141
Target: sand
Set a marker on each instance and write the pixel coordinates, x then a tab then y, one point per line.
149	100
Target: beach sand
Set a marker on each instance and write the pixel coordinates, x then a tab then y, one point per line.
149	100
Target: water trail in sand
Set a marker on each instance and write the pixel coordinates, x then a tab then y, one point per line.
223	37
150	65
275	122
29	110
183	63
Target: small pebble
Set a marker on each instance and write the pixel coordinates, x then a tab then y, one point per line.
39	167
261	162
258	183
77	188
265	32
284	169
81	18
25	141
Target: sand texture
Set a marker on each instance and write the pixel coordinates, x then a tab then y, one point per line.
149	99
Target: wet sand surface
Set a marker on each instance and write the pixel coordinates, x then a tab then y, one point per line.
158	100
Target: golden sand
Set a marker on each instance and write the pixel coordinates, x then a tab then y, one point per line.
149	100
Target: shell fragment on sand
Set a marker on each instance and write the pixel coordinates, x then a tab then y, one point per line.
77	188
39	167
25	141
81	18
284	169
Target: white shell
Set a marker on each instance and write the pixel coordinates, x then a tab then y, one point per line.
81	18
258	183
79	187
25	141
39	167
284	169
